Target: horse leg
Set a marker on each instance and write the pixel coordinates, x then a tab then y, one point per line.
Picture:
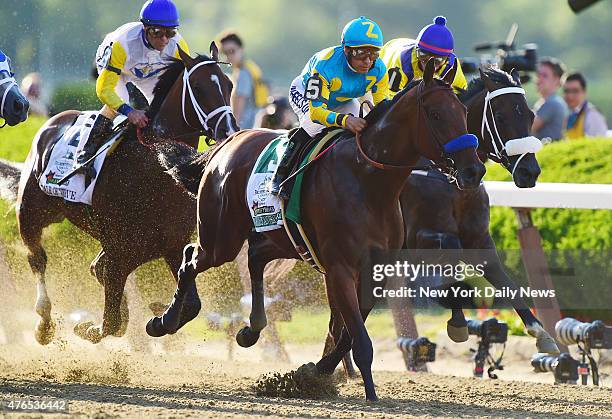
37	259
341	282
97	268
333	337
186	303
261	251
114	274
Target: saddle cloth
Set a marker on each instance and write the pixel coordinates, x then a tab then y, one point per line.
62	161
265	208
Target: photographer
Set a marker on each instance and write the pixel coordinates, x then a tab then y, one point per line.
551	111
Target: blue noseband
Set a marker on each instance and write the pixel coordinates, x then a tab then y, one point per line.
461	143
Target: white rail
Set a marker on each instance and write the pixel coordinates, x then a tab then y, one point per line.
550	195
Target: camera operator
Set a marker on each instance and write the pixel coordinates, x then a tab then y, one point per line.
551	110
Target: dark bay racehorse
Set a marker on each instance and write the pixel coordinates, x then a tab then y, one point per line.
439	215
13	105
350	207
138	212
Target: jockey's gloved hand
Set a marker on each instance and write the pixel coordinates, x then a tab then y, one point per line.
138	118
355	124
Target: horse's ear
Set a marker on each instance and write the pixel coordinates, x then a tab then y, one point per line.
214	51
488	83
428	73
449	77
186	58
515	76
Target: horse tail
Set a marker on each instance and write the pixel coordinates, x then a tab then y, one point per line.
10	172
183	163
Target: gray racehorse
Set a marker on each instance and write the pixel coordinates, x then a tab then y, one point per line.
13	104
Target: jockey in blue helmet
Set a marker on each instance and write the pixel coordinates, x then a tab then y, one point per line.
406	58
136	52
324	94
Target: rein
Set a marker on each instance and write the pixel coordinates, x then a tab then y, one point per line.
384	166
11	83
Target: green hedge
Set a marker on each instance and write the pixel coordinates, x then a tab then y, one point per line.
79	95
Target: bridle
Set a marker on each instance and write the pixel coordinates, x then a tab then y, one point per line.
514	147
224	111
10	81
446	164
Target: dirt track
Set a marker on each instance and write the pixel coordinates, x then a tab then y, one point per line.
109	380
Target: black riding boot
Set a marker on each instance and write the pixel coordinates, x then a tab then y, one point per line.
100	131
282	171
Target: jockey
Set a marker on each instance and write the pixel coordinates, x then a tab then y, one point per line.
136	52
324	94
406	58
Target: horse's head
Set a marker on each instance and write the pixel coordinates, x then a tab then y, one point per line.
444	137
209	89
503	119
13	106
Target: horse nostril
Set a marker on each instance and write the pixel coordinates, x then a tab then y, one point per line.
18	106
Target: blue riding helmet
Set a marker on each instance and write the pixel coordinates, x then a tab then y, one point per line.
436	38
160	13
362	32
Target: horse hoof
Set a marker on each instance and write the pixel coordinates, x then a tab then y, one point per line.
88	331
457	334
544	342
44	331
156	329
247	337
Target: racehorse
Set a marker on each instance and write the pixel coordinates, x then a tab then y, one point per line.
138	213
349	204
13	105
439	215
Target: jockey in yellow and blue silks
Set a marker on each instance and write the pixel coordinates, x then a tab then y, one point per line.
136	52
406	58
325	93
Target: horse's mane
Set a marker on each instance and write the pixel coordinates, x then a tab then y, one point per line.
170	74
476	85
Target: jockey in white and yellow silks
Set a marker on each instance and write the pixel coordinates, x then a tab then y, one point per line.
325	93
136	52
406	58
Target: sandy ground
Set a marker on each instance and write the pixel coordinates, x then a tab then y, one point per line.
182	377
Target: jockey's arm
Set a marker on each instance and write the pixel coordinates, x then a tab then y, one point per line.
108	79
380	91
318	110
183	44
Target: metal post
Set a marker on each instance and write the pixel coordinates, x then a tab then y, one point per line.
536	267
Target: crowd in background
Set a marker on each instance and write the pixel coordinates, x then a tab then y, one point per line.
571	116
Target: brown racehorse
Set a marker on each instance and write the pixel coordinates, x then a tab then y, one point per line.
439	215
350	207
138	213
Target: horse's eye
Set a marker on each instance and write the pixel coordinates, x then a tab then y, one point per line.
499	116
434	115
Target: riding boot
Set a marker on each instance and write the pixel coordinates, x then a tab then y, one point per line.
282	171
99	133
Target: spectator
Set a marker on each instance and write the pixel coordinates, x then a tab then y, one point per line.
250	92
31	86
584	119
551	111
